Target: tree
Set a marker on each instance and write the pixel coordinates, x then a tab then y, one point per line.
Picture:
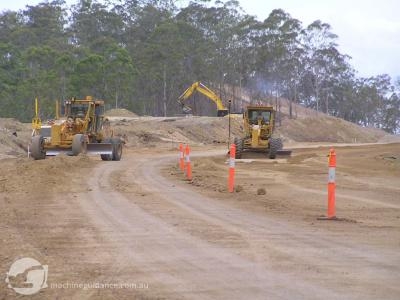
119	75
324	63
89	76
44	25
142	54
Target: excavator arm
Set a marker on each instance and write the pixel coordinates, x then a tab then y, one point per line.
201	88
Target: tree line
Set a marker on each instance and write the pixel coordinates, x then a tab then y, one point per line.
141	54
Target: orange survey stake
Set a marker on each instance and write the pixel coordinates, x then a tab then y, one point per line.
188	165
231	179
181	158
332	184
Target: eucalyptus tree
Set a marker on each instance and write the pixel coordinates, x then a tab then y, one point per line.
119	75
92	23
323	61
220	27
279	55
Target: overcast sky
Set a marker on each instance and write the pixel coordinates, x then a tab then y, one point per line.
368	30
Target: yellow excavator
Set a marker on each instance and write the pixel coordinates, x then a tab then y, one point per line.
201	88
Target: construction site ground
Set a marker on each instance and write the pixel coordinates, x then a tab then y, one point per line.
139	223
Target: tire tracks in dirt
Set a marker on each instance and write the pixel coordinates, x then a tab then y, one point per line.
187	245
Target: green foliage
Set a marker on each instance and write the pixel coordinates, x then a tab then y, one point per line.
142	54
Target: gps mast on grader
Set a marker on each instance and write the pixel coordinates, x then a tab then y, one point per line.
259	125
84	129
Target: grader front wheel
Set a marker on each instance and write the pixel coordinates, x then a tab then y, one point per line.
78	144
275	144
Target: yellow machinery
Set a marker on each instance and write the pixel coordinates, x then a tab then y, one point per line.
259	122
84	129
36	121
201	88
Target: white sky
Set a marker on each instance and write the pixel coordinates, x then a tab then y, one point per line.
368	30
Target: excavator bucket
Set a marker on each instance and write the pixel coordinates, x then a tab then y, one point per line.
186	109
222	112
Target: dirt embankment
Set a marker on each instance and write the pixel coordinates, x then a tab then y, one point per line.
330	129
120	112
306	126
147	131
14	138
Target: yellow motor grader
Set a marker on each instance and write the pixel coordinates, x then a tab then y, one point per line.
258	125
83	129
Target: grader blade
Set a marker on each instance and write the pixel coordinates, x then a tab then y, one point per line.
91	149
99	148
58	151
284	152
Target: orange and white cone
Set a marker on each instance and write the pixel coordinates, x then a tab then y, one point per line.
181	158
331	187
231	179
188	165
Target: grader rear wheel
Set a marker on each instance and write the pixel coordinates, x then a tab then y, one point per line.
107	157
117	149
37	148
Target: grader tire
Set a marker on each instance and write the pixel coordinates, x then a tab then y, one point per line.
239	148
117	149
275	144
78	144
37	148
107	157
280	144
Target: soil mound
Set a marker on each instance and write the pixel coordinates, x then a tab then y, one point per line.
120	112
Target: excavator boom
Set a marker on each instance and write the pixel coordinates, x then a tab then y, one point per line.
201	88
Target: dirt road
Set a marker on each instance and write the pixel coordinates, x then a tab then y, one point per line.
128	223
